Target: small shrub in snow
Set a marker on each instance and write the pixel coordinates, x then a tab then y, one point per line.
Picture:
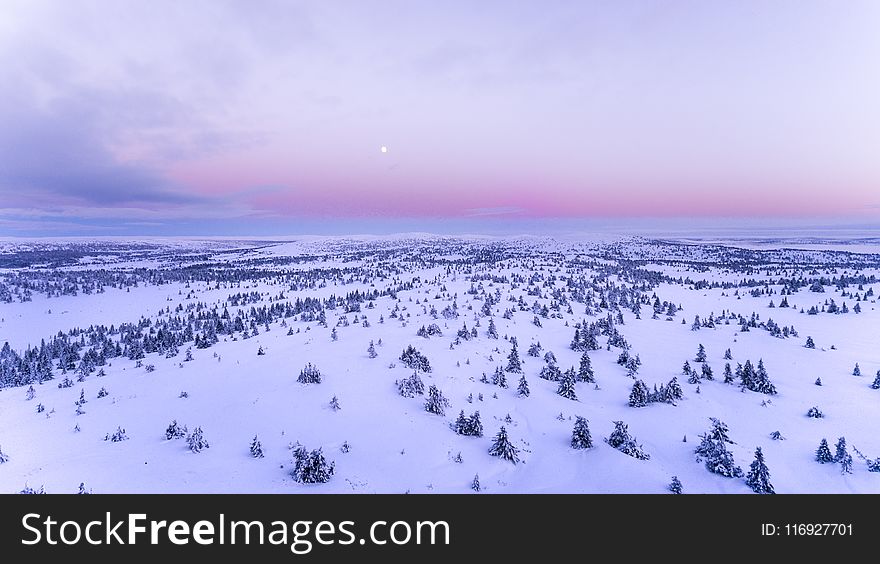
309	375
118	436
196	441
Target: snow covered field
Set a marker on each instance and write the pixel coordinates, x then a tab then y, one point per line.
214	335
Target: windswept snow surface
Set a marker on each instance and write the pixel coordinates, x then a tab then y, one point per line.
80	298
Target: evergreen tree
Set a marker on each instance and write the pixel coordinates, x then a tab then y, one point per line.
256	448
675	485
846	464
566	385
840	450
475	484
823	453
311	467
713	450
728	374
707	372
857	371
876	384
503	448
727	355
371	350
622	441
638	397
580	436
758	477
522	390
436	403
196	441
810	344
514	364
3	457
309	375
585	371
701	354
492	331
175	431
334	404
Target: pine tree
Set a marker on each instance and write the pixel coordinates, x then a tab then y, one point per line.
475	484
758	477
876	384
31	393
580	436
492	331
675	485
309	375
436	403
260	351
585	370
713	450
727	355
638	397
701	354
566	385
707	372
175	431
846	464
3	457
823	453
514	364
196	441
840	450
334	404
371	350
311	467
857	371
503	448
622	441
256	448
810	344
728	374
522	390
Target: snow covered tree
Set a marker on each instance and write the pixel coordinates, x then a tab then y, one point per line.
475	484
256	448
840	450
492	331
499	378
30	394
810	344
727	355
309	375
857	371
580	436
522	390
260	351
701	354
713	450
514	364
585	370
411	387
117	437
815	413
196	441
3	457
876	384
503	448
412	358
675	485
550	372
758	477
566	385
311	467
846	464
334	404
622	441
638	397
175	431
468	426
436	403
823	453
728	374
371	350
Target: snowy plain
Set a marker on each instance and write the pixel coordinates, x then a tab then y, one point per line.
393	444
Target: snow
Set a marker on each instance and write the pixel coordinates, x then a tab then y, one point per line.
396	446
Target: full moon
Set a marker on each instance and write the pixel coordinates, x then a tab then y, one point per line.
384	149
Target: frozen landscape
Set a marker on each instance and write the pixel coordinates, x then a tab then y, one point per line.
392	363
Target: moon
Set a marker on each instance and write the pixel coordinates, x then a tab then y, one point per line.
384	149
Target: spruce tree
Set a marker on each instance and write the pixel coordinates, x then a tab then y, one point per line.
475	484
823	453
522	390
196	441
857	371
566	385
701	354
638	397
622	441
3	457
256	448
585	370
758	477
876	384
840	450
503	448
514	364
580	436
436	403
675	485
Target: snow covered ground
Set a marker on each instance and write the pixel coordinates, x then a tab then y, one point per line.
221	302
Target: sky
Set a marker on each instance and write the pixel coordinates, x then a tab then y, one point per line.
122	117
